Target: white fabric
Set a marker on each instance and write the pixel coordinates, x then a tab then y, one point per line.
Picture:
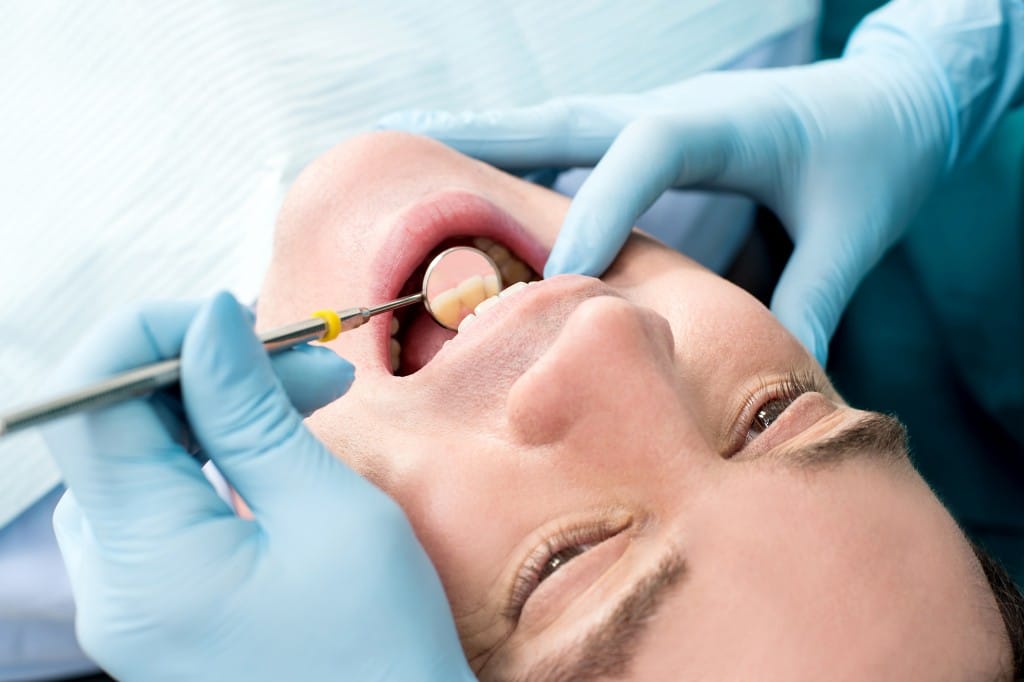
147	149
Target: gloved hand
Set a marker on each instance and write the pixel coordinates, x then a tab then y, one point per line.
842	151
327	582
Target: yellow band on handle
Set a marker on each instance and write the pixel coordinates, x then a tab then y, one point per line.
333	323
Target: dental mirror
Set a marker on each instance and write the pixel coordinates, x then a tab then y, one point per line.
456	281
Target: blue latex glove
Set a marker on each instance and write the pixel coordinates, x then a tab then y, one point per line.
844	151
328	582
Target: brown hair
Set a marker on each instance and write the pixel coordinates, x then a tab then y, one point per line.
1011	608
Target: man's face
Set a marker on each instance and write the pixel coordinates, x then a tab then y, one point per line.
645	475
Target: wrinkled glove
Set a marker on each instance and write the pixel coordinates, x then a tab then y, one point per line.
327	582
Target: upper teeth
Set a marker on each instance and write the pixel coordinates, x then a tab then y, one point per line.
485	304
518	286
466	321
489	303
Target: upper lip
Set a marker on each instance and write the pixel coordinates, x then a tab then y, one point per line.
420	228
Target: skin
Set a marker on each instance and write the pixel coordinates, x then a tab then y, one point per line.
578	403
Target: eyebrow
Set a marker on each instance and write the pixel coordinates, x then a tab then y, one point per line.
876	435
609	647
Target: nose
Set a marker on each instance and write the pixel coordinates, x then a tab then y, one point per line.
611	360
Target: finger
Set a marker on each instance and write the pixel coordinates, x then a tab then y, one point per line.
816	285
244	420
312	376
561	133
125	467
650	156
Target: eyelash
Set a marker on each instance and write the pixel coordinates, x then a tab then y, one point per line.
532	572
787	391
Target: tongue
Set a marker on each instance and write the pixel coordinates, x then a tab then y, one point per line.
423	338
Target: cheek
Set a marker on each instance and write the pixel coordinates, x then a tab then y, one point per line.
729	340
739	324
723	334
467	497
469	506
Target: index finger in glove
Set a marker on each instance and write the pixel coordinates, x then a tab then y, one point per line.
816	285
650	156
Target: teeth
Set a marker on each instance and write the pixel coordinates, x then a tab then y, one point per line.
499	254
472	292
450	306
486	305
491	285
396	355
466	321
518	286
513	271
446	307
395	347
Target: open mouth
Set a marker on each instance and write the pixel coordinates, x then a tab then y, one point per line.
416	337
